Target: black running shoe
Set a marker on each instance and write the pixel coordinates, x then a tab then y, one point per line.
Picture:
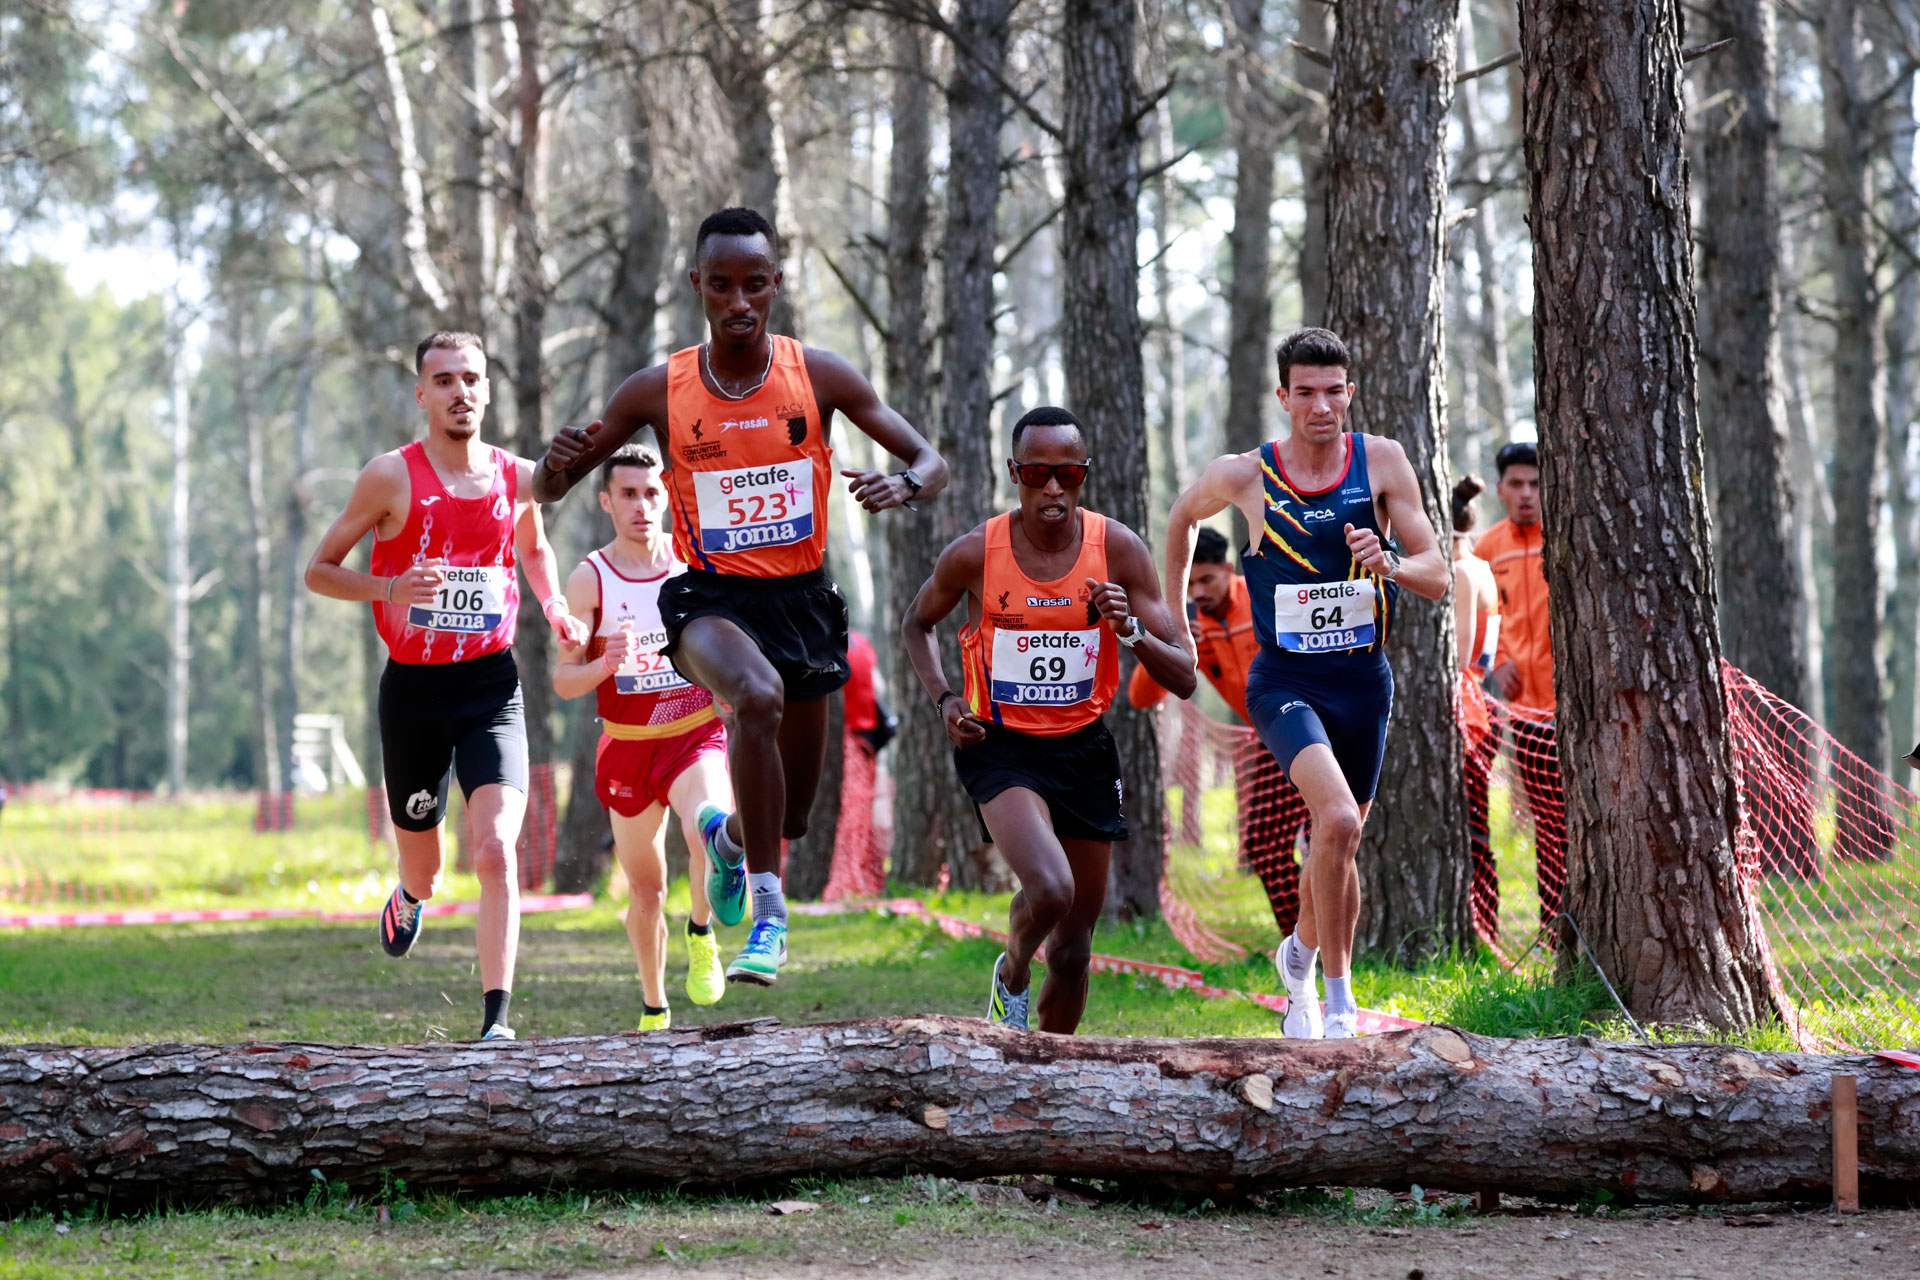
399	924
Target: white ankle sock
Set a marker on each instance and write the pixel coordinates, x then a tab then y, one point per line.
1300	957
1340	994
769	899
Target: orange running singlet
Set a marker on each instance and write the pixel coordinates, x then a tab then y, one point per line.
751	479
1040	660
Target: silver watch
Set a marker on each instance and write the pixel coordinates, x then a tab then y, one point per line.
1393	563
1132	637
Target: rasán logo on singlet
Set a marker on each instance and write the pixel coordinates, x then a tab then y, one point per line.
1041	602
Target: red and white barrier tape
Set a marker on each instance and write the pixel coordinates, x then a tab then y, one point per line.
85	919
1371	1021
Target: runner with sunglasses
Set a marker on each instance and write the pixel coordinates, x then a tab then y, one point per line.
743	420
1323	505
1051	589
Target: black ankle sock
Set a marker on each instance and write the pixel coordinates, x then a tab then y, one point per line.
649	1010
412	901
698	930
496	1010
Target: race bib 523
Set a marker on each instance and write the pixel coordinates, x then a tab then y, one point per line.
1044	668
750	507
473	599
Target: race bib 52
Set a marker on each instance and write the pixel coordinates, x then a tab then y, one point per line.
1324	617
473	599
1044	668
749	507
647	670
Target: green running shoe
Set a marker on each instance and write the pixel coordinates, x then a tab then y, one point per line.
760	960
706	980
1003	1006
726	881
660	1021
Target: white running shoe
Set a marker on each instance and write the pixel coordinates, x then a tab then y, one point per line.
1302	1021
1342	1026
498	1031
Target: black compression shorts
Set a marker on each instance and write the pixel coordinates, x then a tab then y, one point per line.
467	715
1078	775
799	623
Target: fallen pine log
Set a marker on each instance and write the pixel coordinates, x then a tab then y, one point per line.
1560	1118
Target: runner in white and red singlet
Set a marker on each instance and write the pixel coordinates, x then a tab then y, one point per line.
662	746
450	517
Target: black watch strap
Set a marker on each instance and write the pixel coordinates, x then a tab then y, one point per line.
940	703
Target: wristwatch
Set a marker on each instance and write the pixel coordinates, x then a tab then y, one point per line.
1393	563
913	481
1132	637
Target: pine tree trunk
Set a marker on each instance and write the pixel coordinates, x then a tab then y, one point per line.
179	559
257	610
1859	707
1743	412
1316	82
1653	807
1249	100
1903	439
934	824
1386	202
469	208
1492	373
293	592
738	63
1101	341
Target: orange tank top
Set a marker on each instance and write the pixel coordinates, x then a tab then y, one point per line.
1040	660
750	479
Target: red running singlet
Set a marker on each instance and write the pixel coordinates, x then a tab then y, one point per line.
1041	659
474	613
648	699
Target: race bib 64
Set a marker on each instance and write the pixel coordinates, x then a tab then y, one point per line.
1324	617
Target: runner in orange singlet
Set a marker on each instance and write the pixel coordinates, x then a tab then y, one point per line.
755	619
1050	590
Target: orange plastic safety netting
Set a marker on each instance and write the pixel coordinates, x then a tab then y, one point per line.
1829	845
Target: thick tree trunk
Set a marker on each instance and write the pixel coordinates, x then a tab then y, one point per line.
934	824
1559	1119
1316	83
1386	202
1101	341
1250	104
533	649
1859	709
810	858
1743	413
1653	807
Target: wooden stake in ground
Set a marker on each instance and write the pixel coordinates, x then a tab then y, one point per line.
1560	1118
1846	1144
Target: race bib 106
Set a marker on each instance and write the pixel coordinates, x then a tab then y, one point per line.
1044	668
647	670
751	507
473	599
1324	617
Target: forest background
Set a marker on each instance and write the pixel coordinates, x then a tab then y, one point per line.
223	226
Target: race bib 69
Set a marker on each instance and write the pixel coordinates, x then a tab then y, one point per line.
1324	617
750	507
1044	668
473	599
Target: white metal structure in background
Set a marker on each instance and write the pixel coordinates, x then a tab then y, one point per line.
321	756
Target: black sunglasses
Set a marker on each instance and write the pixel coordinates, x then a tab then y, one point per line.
1035	475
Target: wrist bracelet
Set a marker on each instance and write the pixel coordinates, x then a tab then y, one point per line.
390	582
546	606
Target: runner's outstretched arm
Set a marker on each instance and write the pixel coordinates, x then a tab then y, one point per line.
380	493
1423	569
958	570
841	388
640	401
535	554
1135	591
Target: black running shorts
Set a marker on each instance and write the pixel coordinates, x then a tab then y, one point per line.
799	623
467	715
1078	775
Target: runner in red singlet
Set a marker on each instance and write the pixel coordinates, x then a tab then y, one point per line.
1051	589
450	518
662	746
744	419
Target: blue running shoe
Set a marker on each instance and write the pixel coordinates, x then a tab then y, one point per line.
399	924
1003	1006
760	960
726	881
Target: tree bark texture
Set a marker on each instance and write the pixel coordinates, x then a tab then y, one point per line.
1858	715
1316	84
1100	343
737	59
1250	113
1903	440
1491	373
469	208
1386	203
1743	412
934	823
1653	806
293	590
810	858
1559	1119
257	629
